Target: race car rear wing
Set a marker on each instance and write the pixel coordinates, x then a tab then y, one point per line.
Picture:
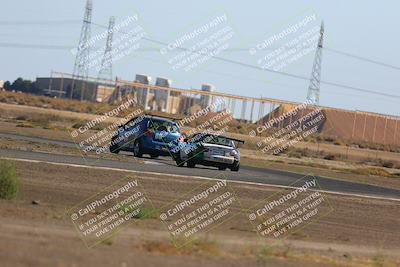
236	140
233	139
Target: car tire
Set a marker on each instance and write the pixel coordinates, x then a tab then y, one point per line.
191	164
114	148
222	168
235	166
179	162
137	149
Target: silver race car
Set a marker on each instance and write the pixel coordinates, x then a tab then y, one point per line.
209	150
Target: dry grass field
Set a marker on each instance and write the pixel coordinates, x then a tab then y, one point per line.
358	232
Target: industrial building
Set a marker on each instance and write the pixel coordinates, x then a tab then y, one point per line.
147	96
89	90
169	101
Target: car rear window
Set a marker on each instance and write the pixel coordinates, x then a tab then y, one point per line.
160	125
218	140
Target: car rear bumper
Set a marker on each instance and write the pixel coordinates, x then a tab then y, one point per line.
150	146
215	161
220	159
214	164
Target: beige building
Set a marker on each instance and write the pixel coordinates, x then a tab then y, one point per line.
103	93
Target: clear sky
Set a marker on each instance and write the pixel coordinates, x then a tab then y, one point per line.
365	28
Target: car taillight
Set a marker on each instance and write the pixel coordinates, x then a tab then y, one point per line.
148	133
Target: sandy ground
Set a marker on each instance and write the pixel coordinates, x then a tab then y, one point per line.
356	232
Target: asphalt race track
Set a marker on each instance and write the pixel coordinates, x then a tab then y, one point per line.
166	166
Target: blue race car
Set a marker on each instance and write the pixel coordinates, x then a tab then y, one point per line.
145	134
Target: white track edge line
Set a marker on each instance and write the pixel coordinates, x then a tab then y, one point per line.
196	177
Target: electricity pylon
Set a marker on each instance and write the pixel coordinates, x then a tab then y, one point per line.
315	81
81	67
105	71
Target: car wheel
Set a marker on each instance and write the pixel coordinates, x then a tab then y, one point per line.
179	162
235	166
222	168
191	164
137	149
114	149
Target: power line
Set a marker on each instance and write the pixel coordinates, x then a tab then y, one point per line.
70	47
284	73
38	22
55	47
265	69
362	58
237	49
36	46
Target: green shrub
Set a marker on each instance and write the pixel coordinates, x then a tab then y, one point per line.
330	157
79	124
338	143
24	125
146	213
329	139
387	164
143	214
372	171
9	182
97	127
294	154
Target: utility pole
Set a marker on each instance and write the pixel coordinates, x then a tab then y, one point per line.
315	81
105	71
81	67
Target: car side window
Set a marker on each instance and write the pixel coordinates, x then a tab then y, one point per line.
120	129
130	124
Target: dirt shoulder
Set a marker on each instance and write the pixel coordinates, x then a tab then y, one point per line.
357	232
